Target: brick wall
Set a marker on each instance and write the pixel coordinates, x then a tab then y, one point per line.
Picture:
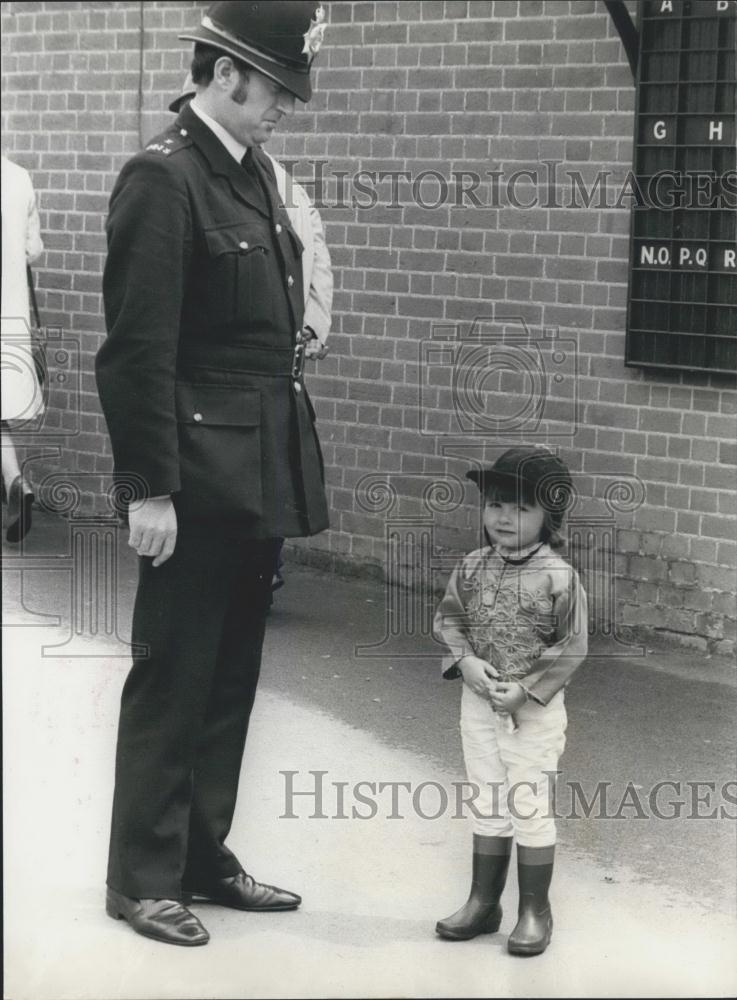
403	399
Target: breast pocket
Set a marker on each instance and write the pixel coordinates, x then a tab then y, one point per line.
220	450
240	273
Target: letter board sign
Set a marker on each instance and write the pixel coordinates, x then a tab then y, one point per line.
682	308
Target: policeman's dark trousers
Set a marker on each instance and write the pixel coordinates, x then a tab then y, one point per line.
184	713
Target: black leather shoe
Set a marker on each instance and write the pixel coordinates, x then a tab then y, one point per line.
161	919
20	505
242	892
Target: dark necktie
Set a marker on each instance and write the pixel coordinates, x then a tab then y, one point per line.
249	165
247	162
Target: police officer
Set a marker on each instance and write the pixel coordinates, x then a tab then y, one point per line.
215	453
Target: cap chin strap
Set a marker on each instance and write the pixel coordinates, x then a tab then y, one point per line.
521	558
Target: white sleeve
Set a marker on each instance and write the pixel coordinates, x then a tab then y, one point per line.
34	243
319	305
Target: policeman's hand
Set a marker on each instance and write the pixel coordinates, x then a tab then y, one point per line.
153	528
508	696
478	675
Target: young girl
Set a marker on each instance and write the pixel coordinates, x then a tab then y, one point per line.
515	621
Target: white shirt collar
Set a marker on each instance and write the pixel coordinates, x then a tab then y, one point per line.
236	150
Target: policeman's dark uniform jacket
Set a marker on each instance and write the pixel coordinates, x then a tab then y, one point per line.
202	387
203	279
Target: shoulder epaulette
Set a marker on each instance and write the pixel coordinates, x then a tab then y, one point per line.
169	142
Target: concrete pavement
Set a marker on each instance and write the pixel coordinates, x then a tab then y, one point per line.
643	906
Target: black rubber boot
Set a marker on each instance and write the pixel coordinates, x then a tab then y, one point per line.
481	913
534	927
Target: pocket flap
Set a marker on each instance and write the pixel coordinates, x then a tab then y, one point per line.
217	405
243	238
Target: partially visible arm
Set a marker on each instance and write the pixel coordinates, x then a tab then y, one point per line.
558	662
34	243
317	267
149	240
319	305
449	626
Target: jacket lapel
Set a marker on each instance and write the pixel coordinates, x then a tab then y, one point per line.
221	163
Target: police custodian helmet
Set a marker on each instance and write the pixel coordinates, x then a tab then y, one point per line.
279	38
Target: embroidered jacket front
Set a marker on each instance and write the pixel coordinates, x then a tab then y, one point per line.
529	621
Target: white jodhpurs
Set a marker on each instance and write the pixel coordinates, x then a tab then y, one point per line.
512	774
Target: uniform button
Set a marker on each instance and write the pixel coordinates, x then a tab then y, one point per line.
243	245
197	417
297	387
277	227
290	281
182	131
